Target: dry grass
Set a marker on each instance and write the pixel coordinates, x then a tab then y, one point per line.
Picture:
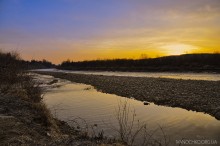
16	82
133	132
86	130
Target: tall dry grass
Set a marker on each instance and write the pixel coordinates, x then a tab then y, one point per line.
132	131
16	81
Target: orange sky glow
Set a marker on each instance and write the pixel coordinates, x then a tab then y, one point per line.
87	30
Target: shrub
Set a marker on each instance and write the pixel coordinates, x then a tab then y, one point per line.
15	79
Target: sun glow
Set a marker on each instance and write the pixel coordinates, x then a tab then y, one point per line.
178	49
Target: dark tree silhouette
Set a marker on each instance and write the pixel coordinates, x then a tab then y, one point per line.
186	62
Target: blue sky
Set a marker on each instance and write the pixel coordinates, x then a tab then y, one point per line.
91	29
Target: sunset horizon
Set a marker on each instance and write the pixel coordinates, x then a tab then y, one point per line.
91	30
109	72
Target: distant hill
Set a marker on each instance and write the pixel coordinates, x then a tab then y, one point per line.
181	63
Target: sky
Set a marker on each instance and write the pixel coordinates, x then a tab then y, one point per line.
78	30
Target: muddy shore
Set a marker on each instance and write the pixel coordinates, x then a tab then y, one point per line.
196	95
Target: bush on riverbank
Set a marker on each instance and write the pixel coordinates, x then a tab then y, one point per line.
24	118
21	101
16	82
9	67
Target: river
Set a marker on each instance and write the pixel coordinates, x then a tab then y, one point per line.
68	101
185	76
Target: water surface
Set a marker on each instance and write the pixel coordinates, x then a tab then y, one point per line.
185	76
71	100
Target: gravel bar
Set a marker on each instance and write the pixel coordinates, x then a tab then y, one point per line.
196	95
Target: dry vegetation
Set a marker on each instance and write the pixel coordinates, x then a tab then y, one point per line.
24	118
132	131
21	105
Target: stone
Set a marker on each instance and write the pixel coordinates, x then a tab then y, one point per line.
146	103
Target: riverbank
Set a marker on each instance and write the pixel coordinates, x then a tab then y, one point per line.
25	119
196	95
23	122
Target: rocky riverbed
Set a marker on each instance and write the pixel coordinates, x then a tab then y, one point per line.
196	95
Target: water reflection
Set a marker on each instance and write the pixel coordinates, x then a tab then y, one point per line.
72	100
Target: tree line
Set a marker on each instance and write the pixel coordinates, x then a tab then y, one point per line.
13	60
186	62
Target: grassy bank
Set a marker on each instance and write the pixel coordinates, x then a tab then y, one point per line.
201	96
24	118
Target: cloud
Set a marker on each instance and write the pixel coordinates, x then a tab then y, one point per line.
87	30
